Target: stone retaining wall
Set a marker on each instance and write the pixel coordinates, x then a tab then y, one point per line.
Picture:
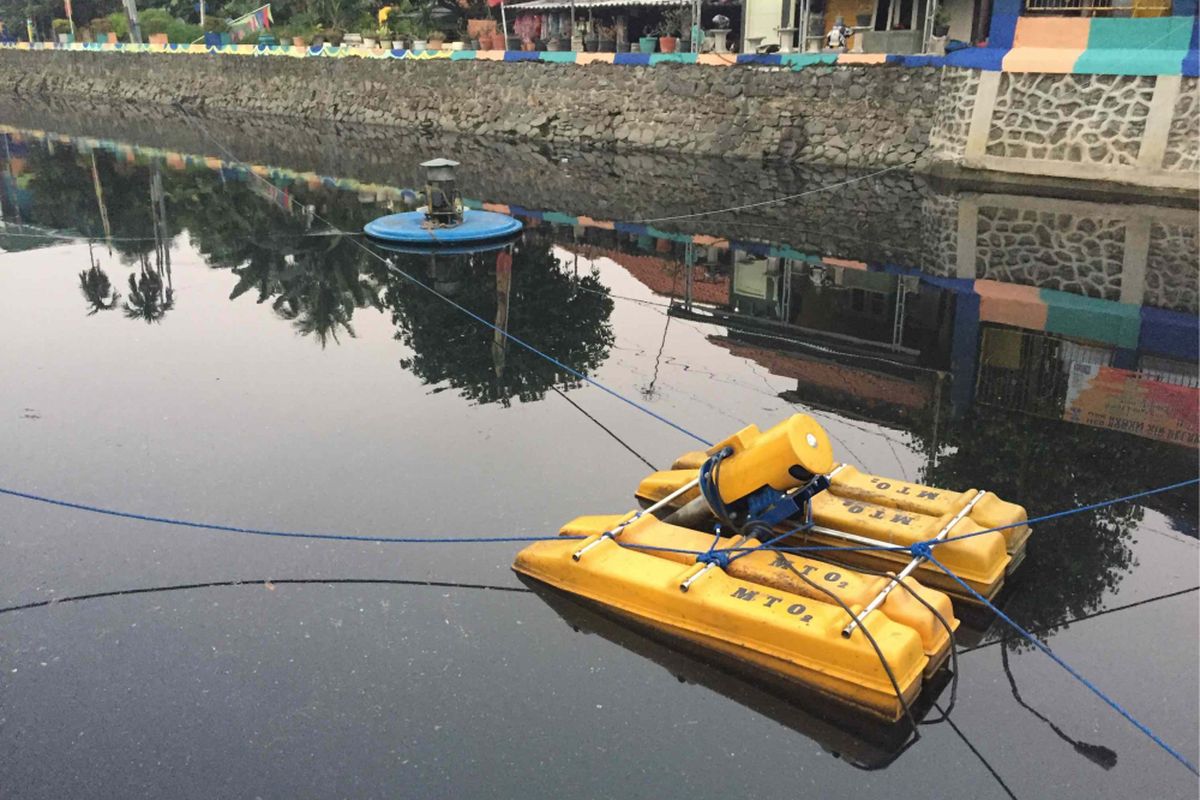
1134	129
1136	254
876	220
860	116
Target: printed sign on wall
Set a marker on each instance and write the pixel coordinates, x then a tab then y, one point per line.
1121	400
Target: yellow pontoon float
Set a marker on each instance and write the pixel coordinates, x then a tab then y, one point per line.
869	640
862	509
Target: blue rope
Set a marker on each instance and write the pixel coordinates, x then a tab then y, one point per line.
937	542
547	356
285	534
1073	672
392	266
1079	510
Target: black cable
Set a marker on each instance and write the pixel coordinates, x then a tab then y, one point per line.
878	651
979	756
1096	753
604	428
262	582
1084	617
945	624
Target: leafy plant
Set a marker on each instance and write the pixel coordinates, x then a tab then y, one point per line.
154	21
61	26
118	23
673	23
180	32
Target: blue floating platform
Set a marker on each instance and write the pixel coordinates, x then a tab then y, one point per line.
409	228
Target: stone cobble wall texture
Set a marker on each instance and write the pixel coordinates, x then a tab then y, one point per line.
1091	119
1172	278
840	115
952	119
1183	138
875	220
1078	254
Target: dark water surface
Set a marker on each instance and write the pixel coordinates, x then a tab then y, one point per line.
259	368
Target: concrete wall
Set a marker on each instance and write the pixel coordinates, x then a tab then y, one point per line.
1140	130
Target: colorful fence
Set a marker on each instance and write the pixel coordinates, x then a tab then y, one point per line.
1085	45
1103	46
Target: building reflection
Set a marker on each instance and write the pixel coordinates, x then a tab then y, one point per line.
1027	340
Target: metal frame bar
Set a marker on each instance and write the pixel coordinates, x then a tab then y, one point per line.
909	568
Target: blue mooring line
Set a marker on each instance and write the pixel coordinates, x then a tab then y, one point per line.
392	266
923	549
285	534
1141	726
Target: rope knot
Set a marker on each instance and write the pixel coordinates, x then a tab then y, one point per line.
718	557
922	549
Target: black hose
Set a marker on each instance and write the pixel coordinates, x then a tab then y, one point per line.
878	651
940	619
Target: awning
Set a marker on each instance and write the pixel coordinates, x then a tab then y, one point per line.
556	5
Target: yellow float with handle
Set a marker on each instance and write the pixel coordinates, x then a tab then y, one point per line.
868	640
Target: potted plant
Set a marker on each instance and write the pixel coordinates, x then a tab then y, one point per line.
437	38
62	30
667	39
647	43
477	29
369	33
941	22
679	22
102	30
399	29
591	39
607	39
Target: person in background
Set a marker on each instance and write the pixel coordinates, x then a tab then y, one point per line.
838	35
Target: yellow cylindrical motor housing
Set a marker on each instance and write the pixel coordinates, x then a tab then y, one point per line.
768	459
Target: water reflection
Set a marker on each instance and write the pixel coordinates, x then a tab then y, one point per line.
528	292
861	741
96	287
1002	374
1096	753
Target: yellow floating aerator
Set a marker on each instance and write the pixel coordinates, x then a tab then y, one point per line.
858	508
868	640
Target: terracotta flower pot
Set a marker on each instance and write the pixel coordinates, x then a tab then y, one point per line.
667	44
478	28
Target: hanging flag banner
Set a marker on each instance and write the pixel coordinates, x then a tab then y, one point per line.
259	19
1121	400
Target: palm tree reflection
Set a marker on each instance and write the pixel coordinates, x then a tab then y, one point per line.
96	287
150	298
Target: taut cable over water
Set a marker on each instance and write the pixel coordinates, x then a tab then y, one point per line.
713	557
